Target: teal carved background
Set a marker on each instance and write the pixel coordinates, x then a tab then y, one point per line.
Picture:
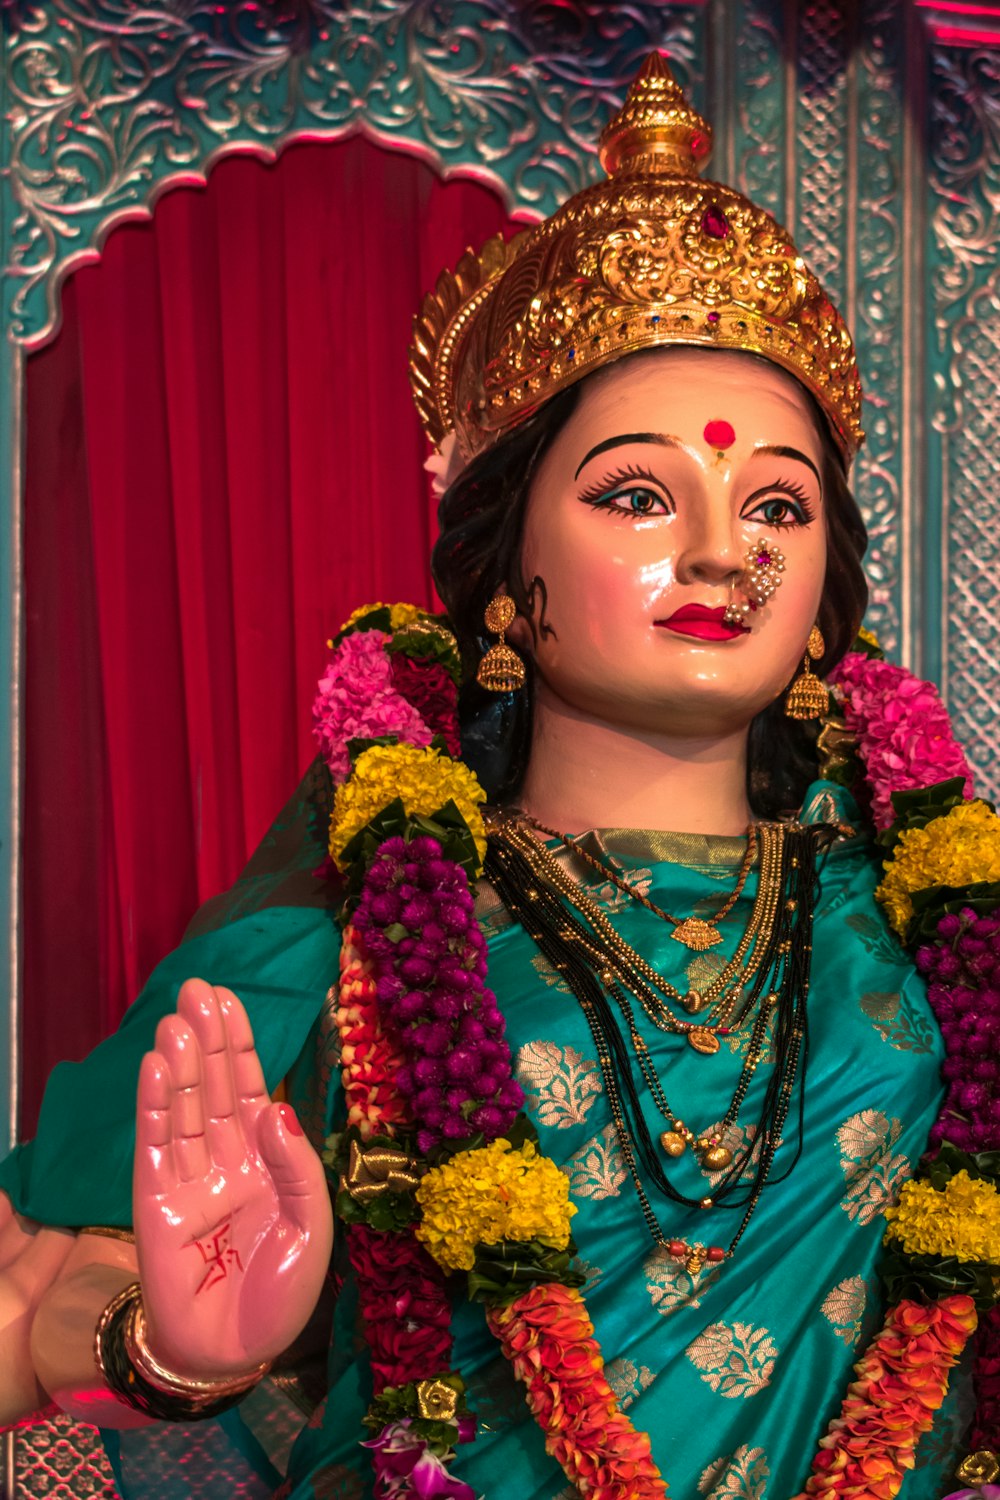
871	130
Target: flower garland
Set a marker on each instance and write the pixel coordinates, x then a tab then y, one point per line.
439	1173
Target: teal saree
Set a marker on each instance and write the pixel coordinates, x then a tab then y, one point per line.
735	1371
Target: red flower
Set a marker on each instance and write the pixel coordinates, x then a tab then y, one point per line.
404	1304
431	690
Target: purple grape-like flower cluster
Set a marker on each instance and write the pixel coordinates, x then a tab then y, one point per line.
963	969
417	919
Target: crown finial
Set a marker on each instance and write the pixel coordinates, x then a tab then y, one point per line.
656	130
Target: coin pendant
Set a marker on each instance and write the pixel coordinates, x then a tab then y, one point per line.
703	1041
695	933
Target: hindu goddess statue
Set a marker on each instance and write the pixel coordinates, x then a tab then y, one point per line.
641	1032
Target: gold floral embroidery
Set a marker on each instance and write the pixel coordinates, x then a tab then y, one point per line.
612	900
874	1175
741	1476
703	969
548	975
671	1286
736	1361
878	939
627	1380
896	1022
593	1275
598	1169
560	1084
844	1307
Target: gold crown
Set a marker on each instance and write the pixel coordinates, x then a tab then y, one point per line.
652	256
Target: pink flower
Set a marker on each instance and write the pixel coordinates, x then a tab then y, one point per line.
356	700
406	1468
903	730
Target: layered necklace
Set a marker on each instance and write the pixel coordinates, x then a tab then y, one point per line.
765	984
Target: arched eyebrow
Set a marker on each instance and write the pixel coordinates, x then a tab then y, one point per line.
780	451
628	437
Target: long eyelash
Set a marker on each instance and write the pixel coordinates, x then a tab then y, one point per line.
599	491
794	489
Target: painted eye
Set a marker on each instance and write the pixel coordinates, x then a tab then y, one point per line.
637	502
779	511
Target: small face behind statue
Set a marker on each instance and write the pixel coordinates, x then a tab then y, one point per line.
672	466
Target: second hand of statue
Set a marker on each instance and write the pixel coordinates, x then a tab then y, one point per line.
232	1215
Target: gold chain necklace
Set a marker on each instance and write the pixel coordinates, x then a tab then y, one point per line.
602	971
698	933
617	960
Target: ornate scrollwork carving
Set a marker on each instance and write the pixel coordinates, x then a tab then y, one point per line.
965	222
110	102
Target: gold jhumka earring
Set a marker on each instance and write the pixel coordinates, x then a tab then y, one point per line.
807	697
501	669
763	567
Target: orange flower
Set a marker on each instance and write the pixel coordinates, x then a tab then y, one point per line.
585	1431
902	1379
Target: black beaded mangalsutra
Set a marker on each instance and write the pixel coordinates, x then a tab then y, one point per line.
605	975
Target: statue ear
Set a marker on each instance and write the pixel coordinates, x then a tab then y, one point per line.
496	734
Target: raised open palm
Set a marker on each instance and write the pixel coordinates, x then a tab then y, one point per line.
232	1214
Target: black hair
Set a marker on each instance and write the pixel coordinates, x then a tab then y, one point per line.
481	521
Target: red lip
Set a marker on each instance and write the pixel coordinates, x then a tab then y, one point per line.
702	623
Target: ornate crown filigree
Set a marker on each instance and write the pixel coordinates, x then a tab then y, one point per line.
654	255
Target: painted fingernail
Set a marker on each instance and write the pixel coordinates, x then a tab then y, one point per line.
290	1119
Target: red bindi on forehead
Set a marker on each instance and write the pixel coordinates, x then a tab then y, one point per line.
719	435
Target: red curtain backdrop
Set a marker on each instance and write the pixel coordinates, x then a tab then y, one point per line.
222	461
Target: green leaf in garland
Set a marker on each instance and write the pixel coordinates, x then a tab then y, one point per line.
866	644
446	825
925	1278
940	1169
396	1403
427	645
929	907
356	748
377	618
917	808
502	1272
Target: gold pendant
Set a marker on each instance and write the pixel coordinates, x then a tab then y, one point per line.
673	1143
694	1001
717	1158
703	1041
696	933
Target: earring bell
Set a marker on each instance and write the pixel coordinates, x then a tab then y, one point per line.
807	697
501	669
763	566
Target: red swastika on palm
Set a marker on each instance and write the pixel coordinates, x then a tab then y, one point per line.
219	1256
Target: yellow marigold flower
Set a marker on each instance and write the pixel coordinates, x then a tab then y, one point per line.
494	1193
401	616
963	1220
359	614
425	780
959	848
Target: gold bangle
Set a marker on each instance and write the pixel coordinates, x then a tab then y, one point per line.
128	1293
109	1232
145	1363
